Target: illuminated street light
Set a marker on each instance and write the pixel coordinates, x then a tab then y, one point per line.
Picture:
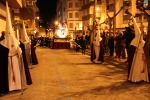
56	23
38	18
97	8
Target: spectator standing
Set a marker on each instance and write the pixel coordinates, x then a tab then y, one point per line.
77	40
83	44
119	45
111	44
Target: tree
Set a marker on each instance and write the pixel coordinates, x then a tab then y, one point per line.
110	19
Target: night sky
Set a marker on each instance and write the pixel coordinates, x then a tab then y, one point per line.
47	9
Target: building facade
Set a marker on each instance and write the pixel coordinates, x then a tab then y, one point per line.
123	19
67	11
20	10
88	17
29	13
70	12
12	4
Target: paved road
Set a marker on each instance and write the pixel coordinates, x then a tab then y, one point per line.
69	75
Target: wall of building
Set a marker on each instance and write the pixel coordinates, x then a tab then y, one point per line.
122	20
2	17
132	8
70	12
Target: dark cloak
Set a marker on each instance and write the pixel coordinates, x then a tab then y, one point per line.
130	57
26	67
33	55
4	87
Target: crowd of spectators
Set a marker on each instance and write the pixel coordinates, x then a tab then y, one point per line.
115	45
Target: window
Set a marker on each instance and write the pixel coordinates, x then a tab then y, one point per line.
76	15
70	15
77	5
126	17
70	5
70	25
127	3
110	7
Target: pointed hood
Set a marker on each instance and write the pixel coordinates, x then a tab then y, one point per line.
10	40
23	34
138	37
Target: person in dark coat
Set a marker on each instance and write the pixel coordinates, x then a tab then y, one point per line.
111	45
4	87
119	46
77	40
34	60
83	44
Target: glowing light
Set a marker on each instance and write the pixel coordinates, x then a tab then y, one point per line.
38	17
97	8
56	23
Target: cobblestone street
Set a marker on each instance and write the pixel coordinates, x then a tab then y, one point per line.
68	75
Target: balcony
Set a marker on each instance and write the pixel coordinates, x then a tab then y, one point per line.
13	3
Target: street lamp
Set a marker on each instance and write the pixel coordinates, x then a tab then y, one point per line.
37	17
97	8
56	23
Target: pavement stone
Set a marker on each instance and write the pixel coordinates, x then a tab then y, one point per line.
63	74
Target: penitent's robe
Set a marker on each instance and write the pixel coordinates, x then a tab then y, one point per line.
101	54
4	87
34	59
26	67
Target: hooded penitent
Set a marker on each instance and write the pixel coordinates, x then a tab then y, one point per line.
25	47
138	68
11	42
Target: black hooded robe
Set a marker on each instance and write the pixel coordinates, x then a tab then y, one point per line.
4	87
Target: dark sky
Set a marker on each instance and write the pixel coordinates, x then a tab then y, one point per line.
47	9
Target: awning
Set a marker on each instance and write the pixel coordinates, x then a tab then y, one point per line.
13	3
